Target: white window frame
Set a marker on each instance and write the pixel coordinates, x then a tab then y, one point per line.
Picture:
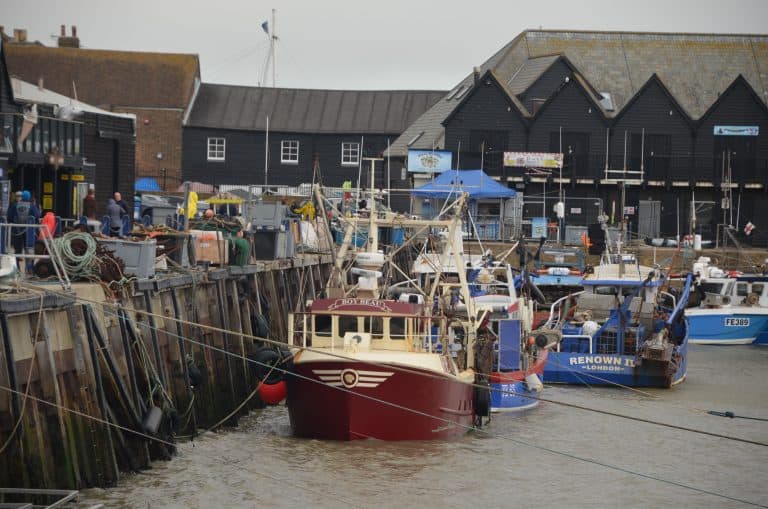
350	154
216	152
289	151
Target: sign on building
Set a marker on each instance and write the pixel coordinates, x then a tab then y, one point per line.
429	161
533	159
737	130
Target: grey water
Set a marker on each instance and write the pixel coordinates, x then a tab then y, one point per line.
551	456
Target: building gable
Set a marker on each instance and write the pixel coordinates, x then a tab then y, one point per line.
546	84
653	102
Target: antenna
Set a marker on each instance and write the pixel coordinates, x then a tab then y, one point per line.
270	31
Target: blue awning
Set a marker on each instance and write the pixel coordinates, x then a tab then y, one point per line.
475	182
145	184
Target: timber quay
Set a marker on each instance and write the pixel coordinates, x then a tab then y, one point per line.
103	379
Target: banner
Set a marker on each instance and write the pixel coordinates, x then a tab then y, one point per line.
533	159
429	161
737	130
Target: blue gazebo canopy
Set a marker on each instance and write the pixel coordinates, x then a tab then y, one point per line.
146	184
475	183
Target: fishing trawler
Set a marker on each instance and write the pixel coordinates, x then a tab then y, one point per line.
516	365
625	328
733	308
367	365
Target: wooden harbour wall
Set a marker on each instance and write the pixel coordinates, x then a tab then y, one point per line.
80	371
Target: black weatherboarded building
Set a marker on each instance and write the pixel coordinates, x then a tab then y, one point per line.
676	110
226	130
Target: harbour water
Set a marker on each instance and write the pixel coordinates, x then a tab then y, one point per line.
552	456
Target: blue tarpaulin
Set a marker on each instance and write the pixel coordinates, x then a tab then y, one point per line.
146	184
474	182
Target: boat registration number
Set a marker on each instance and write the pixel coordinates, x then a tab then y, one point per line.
737	322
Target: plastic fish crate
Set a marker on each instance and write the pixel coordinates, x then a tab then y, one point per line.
139	257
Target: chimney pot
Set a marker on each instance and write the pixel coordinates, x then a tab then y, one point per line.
63	31
476	73
74	31
40	83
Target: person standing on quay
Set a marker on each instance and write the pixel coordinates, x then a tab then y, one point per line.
115	214
89	205
123	205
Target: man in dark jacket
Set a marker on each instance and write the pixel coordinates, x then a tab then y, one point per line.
123	205
115	214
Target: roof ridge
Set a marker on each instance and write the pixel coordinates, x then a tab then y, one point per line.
636	32
100	50
373	91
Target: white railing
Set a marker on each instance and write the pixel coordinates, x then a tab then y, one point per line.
576	336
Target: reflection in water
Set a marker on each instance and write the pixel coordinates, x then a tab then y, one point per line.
261	465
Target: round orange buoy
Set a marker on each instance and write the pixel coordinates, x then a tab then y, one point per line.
272	394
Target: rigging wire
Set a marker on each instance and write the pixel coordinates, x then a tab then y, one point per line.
164	442
211	328
391	404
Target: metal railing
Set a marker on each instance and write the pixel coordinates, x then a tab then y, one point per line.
30	237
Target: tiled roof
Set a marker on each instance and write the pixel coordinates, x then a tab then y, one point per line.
529	72
304	110
695	68
107	78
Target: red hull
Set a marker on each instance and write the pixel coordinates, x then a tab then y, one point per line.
380	403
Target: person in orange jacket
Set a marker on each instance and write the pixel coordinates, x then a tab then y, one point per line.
49	221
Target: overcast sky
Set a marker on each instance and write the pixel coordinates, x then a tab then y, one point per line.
362	44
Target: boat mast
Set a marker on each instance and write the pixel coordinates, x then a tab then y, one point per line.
373	229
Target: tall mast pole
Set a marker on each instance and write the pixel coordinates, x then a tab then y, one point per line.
272	48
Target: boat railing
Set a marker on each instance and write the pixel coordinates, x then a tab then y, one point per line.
674	299
576	337
557	308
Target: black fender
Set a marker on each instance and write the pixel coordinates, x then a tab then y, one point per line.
269	364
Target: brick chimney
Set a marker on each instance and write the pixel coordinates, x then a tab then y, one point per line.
20	35
71	41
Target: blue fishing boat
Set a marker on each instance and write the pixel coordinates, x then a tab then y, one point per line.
624	328
733	308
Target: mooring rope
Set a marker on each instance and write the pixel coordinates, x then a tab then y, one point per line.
171	444
107	305
467	427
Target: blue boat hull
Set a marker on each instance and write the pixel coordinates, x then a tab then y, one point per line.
598	369
728	328
512	397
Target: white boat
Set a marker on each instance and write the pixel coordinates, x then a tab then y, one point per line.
733	308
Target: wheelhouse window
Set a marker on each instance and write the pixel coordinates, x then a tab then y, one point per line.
350	154
397	327
347	324
216	149
323	325
289	151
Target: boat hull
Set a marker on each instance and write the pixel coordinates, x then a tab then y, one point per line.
726	326
356	400
510	392
611	369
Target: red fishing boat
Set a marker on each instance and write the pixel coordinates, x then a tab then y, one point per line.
368	366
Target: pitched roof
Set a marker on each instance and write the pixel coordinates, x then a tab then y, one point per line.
695	68
107	78
305	110
529	72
